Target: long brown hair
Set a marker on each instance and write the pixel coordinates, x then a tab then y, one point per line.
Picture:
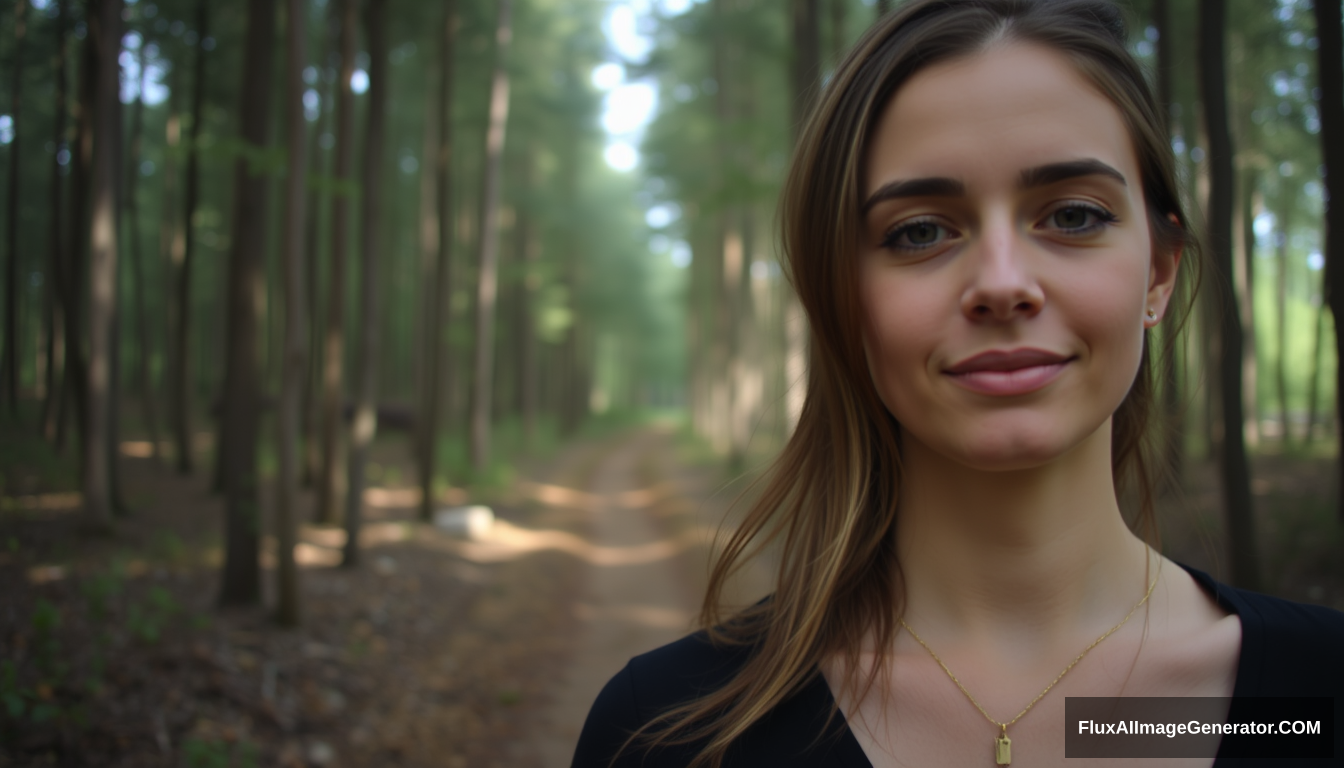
830	501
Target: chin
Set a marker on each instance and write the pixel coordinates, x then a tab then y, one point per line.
1010	449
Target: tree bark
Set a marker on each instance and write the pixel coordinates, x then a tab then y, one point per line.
181	379
1330	66
132	219
242	380
312	446
1287	203
56	287
77	366
288	609
1313	387
105	34
170	225
804	81
1235	473
436	356
1170	372
10	364
487	277
331	484
366	361
1245	292
529	381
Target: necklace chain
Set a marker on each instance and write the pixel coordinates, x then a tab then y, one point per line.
1003	727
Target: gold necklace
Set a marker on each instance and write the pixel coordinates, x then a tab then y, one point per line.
1003	754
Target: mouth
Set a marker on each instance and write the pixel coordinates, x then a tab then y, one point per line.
1008	372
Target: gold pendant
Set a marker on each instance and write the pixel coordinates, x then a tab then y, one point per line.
1003	750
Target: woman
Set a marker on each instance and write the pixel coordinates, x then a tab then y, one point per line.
982	223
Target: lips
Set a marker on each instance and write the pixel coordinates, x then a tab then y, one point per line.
1008	373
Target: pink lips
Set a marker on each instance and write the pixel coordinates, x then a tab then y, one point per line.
1008	373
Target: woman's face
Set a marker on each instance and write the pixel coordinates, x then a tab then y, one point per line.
1007	266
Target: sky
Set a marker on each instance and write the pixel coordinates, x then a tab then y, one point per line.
629	105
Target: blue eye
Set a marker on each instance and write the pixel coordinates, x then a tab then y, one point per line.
915	235
1077	218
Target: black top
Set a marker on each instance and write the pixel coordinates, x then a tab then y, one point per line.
1287	649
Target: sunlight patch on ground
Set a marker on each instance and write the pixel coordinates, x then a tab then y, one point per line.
45	501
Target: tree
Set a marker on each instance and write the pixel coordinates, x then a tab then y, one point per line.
291	254
366	362
436	357
242	380
59	295
132	225
181	378
105	34
9	365
1330	65
1235	474
331	483
487	277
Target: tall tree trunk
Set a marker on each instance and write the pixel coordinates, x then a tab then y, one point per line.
312	446
132	219
366	361
1313	387
1232	456
105	34
170	224
1245	292
1287	203
181	379
331	484
10	364
1173	407
487	277
436	356
1330	65
57	286
804	81
528	283
77	369
288	609
241	414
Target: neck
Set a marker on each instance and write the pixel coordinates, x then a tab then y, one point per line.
1033	552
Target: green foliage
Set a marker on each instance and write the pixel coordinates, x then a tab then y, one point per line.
210	753
146	621
97	590
46	619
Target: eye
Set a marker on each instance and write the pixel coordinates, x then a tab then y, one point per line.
916	235
1079	218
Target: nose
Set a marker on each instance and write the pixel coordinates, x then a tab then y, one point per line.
1004	285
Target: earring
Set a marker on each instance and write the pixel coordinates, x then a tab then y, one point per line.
1152	315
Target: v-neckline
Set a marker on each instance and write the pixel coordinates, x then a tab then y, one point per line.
1248	673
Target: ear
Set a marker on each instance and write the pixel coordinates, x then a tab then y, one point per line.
1162	279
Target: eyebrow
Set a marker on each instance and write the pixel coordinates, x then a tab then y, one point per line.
1040	176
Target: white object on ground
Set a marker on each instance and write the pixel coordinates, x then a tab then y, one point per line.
473	522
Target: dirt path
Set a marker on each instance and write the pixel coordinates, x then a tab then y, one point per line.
635	597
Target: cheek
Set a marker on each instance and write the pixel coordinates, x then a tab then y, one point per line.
902	326
1107	311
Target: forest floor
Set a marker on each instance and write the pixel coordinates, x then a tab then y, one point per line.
438	650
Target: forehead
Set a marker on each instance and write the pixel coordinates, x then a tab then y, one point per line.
983	118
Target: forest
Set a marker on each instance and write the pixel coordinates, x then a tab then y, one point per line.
288	285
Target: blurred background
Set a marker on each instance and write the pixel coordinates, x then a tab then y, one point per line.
375	374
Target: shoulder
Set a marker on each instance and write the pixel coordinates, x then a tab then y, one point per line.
649	685
804	731
1287	648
